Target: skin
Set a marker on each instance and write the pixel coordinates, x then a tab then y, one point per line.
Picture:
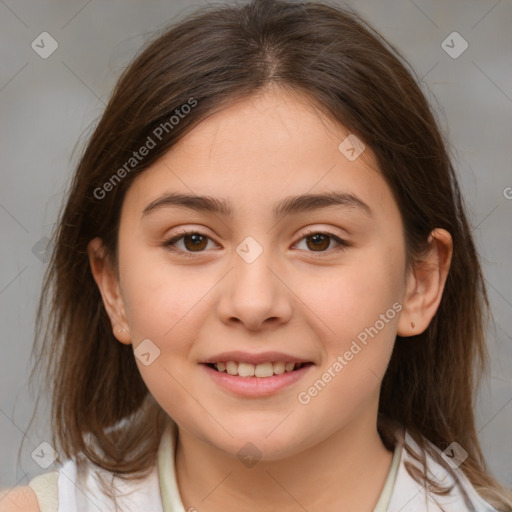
293	298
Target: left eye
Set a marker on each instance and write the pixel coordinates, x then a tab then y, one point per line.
195	242
322	240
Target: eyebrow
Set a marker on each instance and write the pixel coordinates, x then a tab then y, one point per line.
288	206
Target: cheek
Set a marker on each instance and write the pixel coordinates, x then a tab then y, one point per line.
353	295
354	313
355	317
163	304
168	305
158	296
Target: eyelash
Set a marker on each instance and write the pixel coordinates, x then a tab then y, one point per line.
343	244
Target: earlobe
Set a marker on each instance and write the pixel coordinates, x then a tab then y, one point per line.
108	285
123	335
425	285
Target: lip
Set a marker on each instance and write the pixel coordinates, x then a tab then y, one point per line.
256	386
246	357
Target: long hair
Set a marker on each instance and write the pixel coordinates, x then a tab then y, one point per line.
220	54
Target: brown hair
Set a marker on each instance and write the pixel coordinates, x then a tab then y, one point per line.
214	57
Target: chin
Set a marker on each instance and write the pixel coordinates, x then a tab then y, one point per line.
256	443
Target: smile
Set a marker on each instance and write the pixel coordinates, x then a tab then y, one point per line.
267	369
248	380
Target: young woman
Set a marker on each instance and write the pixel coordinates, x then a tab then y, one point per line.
254	300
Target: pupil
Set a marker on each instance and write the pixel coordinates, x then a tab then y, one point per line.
196	241
318	239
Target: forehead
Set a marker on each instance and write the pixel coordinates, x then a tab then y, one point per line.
259	150
275	126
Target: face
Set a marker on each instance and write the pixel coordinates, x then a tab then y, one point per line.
323	284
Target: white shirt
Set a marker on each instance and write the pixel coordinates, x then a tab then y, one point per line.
76	487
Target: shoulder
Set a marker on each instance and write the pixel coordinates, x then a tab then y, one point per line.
410	496
40	495
19	499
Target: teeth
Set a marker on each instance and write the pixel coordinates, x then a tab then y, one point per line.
263	370
232	368
279	367
246	369
259	370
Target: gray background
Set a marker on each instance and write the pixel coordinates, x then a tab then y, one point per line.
47	107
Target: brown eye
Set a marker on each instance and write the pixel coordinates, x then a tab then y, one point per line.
192	241
318	241
197	242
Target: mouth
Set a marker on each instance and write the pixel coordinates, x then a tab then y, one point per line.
262	370
255	381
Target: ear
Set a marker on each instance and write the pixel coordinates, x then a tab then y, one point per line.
108	285
425	285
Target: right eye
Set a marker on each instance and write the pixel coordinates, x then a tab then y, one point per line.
193	241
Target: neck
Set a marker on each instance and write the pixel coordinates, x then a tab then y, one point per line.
345	471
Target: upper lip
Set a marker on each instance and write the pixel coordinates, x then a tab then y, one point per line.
246	357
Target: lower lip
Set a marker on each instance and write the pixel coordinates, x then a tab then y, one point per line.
256	386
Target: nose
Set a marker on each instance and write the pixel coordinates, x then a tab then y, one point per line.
255	293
